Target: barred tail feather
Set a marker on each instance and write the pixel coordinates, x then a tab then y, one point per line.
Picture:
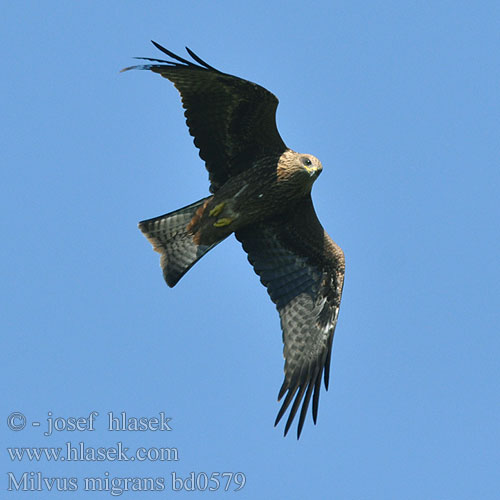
170	237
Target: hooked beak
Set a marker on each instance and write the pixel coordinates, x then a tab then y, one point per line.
313	171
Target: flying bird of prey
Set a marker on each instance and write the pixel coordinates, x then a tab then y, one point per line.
260	191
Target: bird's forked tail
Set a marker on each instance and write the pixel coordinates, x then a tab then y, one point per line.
170	236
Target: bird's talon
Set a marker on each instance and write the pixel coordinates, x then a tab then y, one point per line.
223	221
216	210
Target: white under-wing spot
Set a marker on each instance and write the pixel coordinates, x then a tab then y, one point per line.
240	191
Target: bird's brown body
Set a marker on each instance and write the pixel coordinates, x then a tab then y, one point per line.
259	192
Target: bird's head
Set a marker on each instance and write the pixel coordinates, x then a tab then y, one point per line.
299	169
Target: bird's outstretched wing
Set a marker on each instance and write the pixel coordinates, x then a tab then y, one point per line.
233	121
303	270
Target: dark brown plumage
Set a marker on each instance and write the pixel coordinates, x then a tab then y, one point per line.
261	192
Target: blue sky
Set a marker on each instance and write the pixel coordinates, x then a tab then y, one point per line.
400	101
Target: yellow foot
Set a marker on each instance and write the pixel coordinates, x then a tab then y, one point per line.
223	221
216	210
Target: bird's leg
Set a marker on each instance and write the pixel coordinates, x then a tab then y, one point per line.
223	221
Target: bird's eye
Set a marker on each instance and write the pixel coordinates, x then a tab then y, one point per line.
306	161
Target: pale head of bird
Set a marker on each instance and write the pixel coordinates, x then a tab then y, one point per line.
299	169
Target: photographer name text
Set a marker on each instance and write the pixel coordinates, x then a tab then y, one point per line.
114	422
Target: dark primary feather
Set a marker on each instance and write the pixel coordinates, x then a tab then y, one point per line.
303	271
233	121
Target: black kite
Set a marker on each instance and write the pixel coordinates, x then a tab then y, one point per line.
261	192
